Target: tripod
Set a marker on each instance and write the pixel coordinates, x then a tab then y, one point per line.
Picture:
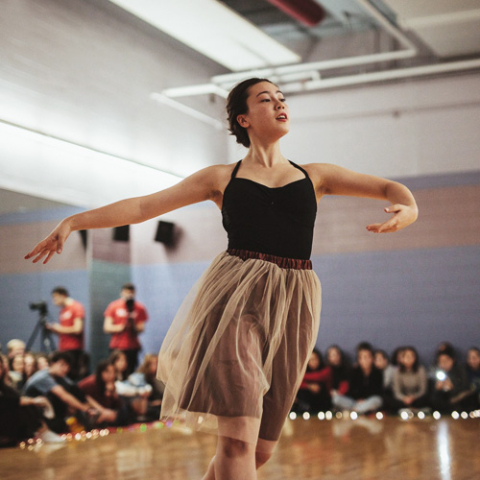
47	341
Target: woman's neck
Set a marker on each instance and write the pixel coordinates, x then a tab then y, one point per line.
264	155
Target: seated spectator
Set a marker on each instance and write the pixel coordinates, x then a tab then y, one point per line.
17	371
119	361
61	392
15	347
451	390
473	372
135	397
42	361
396	356
100	387
147	375
314	393
21	417
410	383
380	360
340	370
366	382
30	365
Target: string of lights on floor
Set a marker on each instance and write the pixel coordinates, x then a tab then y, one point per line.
82	436
404	415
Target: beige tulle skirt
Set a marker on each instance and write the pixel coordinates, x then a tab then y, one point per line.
237	350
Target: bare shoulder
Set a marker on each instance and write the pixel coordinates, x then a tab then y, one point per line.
319	173
217	178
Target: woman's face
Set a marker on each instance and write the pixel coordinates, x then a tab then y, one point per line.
121	363
42	363
18	364
314	361
473	359
380	361
29	364
408	359
365	359
334	357
268	116
108	375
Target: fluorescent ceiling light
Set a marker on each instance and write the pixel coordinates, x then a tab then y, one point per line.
214	30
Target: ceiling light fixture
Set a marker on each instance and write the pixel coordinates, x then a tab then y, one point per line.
214	30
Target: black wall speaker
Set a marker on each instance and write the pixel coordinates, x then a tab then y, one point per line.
165	233
121	234
83	236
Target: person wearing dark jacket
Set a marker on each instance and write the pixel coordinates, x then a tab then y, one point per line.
366	383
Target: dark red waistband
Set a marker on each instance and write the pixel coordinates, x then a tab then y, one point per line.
282	262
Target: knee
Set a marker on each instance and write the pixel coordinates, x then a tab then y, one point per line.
261	458
232	448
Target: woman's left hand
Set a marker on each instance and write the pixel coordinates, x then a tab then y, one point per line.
403	216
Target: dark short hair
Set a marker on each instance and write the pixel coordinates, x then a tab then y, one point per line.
61	291
365	346
61	356
237	105
383	353
128	286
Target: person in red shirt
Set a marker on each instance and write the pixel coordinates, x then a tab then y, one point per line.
125	319
69	329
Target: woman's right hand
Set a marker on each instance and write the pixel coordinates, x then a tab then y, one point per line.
51	244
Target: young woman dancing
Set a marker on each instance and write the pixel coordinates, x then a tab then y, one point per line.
237	350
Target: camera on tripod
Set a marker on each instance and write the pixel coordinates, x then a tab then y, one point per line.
40	306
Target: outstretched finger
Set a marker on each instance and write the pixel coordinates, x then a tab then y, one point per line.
40	255
50	255
38	248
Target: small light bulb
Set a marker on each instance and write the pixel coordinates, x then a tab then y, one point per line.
353	415
379	415
321	416
306	416
293	415
455	415
421	415
404	415
464	415
437	415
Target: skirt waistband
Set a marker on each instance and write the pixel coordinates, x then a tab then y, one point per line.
282	262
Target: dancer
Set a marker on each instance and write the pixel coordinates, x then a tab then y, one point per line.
237	350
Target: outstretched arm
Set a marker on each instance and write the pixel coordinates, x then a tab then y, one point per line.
193	189
334	180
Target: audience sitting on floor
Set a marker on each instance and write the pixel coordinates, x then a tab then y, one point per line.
473	373
314	393
451	389
380	360
17	371
366	384
136	397
66	398
21	417
147	375
108	397
30	365
100	387
410	383
338	364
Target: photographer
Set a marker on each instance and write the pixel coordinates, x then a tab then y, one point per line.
125	319
70	330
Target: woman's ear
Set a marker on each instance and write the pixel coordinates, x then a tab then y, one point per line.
242	121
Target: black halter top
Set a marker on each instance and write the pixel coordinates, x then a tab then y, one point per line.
270	220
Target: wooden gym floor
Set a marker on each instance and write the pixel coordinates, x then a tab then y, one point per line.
362	449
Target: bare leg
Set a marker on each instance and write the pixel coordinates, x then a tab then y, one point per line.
261	457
